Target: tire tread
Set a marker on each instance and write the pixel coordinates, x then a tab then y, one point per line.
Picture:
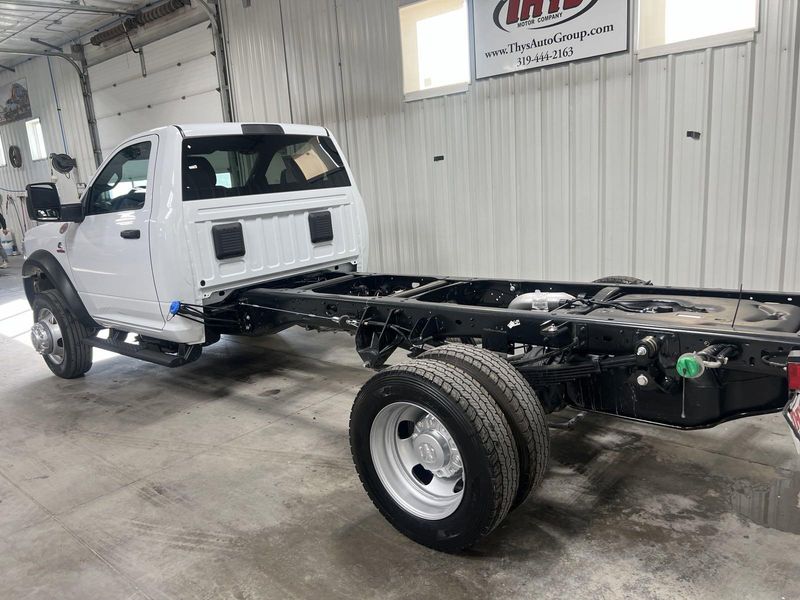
518	402
77	355
484	415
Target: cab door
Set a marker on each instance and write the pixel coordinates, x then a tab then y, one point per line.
109	252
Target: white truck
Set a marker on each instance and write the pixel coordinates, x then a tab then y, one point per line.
144	233
187	233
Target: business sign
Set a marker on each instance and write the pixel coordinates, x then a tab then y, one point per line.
515	35
14	102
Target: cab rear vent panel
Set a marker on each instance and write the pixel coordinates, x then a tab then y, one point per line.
228	240
320	226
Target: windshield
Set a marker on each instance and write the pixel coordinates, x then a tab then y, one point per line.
243	165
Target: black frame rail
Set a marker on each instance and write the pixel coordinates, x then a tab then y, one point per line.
388	312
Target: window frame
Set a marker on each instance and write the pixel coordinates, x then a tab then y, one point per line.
89	194
40	131
727	38
444	90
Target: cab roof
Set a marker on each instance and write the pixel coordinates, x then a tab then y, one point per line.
212	129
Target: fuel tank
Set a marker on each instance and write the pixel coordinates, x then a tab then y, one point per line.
701	312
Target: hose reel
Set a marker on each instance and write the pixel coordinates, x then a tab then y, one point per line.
62	163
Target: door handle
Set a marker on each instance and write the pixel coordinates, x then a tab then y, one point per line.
130	234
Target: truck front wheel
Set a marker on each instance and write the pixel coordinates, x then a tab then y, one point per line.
58	336
435	453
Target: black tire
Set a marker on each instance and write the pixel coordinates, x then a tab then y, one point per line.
77	355
622	280
519	403
480	432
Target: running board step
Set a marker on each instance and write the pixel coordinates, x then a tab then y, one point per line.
186	354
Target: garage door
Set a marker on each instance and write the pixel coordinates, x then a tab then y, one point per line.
180	86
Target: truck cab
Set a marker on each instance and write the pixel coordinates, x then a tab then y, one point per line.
190	213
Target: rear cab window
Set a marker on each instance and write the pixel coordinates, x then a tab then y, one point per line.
246	165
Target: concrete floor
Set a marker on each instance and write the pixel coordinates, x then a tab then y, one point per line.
231	478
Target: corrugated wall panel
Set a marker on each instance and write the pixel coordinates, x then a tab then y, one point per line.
573	171
653	169
440	232
791	268
527	164
774	103
315	86
492	159
372	83
585	168
456	189
254	38
616	157
686	208
728	137
556	182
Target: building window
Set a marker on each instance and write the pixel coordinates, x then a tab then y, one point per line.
670	26
435	39
2	154
36	139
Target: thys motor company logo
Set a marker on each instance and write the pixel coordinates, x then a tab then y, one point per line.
538	14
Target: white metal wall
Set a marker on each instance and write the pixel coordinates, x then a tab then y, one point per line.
568	172
44	106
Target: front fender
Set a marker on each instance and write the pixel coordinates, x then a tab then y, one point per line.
43	265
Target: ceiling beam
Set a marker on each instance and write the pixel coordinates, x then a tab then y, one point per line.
87	8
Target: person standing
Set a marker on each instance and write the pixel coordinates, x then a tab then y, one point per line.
3	255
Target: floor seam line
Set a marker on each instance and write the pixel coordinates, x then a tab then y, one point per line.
54	517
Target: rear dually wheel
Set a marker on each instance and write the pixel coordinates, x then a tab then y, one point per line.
522	409
435	453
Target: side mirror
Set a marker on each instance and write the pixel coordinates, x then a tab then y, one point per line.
44	205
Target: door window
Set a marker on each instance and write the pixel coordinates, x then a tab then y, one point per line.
122	184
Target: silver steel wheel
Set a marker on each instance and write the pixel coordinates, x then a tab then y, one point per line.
46	337
417	461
